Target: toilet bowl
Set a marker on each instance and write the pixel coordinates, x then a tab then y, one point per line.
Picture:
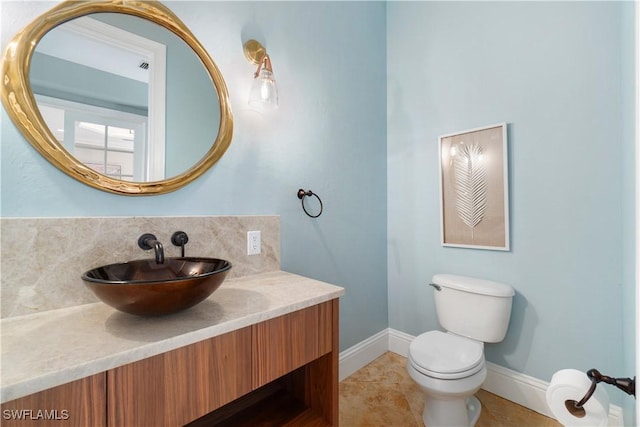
449	367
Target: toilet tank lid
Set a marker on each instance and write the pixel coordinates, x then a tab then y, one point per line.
473	285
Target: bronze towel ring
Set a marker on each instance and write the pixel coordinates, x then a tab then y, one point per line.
301	196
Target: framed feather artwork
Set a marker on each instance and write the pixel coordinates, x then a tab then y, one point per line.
474	190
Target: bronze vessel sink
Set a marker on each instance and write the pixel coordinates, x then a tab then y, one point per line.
147	288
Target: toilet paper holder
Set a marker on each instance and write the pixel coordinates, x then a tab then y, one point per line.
627	385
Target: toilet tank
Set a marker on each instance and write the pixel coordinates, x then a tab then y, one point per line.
475	308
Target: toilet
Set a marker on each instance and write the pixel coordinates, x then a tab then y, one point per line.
449	366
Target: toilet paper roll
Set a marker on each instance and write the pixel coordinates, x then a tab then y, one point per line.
572	385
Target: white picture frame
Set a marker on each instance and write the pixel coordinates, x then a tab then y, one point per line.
474	188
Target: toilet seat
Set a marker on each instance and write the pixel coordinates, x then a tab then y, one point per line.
446	356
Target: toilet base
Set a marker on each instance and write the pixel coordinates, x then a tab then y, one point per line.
457	412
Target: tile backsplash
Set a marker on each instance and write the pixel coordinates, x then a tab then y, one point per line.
42	259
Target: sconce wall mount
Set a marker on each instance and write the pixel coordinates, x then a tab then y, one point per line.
254	51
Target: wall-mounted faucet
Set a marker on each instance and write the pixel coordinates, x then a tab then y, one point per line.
148	241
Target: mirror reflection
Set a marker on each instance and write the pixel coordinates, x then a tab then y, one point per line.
125	96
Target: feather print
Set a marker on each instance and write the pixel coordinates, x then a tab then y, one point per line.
470	184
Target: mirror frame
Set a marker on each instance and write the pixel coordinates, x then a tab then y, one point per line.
23	110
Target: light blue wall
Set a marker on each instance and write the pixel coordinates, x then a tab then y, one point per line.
553	72
628	55
329	135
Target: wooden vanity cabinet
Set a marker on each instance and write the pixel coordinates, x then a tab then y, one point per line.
283	371
79	403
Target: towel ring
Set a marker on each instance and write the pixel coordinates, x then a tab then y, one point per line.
301	196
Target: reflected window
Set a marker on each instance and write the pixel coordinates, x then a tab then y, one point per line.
106	149
110	142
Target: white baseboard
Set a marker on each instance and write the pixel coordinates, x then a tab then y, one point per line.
363	353
399	342
519	388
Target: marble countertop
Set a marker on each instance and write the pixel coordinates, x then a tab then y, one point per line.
43	350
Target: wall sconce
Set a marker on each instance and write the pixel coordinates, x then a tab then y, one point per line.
264	93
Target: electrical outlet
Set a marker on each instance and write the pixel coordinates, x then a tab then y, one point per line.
253	242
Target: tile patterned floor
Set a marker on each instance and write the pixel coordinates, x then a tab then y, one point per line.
383	395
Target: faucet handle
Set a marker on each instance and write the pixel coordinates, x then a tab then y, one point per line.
180	238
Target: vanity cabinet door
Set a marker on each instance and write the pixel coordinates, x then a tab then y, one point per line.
177	387
288	342
79	403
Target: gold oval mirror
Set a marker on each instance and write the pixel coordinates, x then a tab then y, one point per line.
113	131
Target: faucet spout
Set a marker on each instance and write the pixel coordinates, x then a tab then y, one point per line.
148	241
159	250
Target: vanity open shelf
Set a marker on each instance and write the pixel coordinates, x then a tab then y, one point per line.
277	403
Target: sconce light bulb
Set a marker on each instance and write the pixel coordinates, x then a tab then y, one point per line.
264	92
267	85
